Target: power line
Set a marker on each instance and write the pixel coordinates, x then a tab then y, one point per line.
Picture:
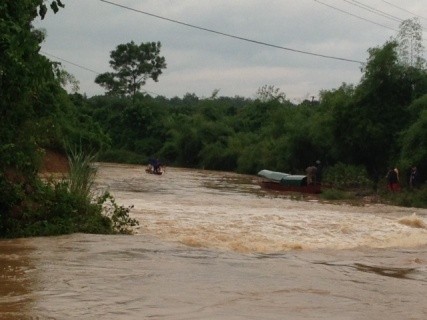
376	11
346	12
69	62
403	9
373	10
354	15
233	36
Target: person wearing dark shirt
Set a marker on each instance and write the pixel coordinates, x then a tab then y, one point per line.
413	177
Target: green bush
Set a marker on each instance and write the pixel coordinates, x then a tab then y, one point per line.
408	198
61	207
342	176
335	194
118	215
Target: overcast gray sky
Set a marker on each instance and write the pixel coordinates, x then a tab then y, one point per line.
86	31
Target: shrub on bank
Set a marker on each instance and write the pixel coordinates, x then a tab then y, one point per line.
335	194
416	198
52	207
343	176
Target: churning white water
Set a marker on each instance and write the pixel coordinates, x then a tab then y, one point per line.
230	212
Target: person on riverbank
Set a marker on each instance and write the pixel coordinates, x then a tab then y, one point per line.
392	180
413	177
311	173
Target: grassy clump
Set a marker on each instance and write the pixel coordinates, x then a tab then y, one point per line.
416	198
336	194
81	174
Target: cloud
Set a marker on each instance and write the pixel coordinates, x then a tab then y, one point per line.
199	61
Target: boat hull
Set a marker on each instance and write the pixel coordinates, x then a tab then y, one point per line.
151	171
277	186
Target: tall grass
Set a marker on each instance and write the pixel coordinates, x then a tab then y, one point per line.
81	179
82	174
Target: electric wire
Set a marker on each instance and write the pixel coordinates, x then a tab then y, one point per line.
69	62
233	36
354	15
403	9
346	12
355	3
382	13
373	10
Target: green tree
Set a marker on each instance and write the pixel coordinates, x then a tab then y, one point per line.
366	127
25	78
268	93
414	149
133	65
34	111
410	40
414	138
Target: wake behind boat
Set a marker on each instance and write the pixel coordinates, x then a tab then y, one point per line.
280	181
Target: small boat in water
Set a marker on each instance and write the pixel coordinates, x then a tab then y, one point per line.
154	166
280	181
150	169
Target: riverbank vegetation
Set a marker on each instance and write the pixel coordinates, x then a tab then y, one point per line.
68	204
37	114
357	131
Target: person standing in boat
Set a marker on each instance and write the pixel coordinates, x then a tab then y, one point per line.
154	166
157	166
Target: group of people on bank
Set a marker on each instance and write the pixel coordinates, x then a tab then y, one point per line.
314	175
393	179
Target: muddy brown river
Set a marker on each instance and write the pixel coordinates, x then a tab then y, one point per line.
213	245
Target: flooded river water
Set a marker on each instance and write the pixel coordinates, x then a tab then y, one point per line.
213	245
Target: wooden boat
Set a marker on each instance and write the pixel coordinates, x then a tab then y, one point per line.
150	169
277	186
285	182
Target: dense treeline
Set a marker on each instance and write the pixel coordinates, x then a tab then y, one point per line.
378	123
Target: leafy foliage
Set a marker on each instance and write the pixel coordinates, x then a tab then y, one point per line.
268	93
133	65
118	215
36	113
64	206
414	143
410	40
347	177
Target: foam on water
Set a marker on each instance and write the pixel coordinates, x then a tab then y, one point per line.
229	212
